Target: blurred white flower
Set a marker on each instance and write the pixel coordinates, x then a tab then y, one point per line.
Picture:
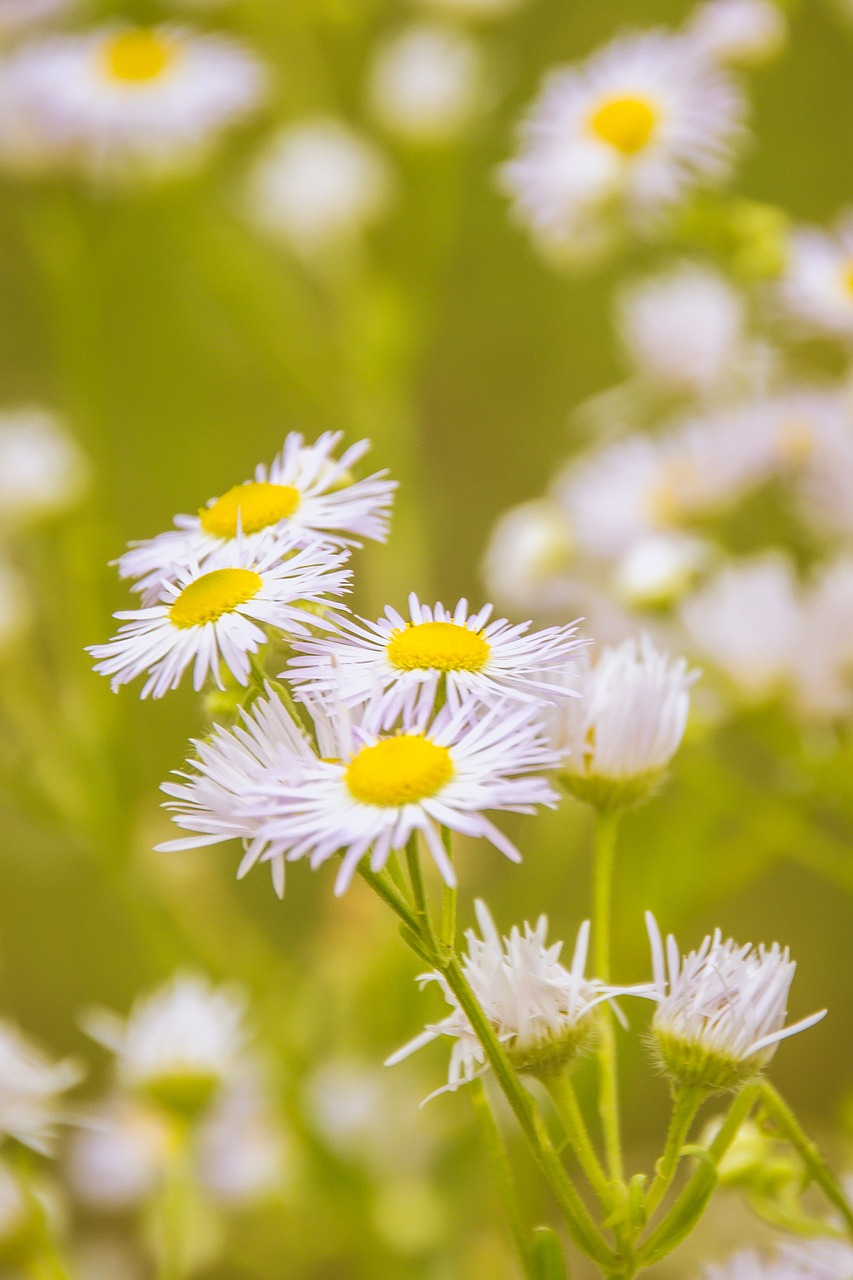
30	1087
748	1264
243	1152
42	470
621	139
611	496
721	1010
741	33
118	1157
683	330
17	16
823	674
818	1259
180	1046
748	621
616	740
816	433
426	83
659	569
529	553
120	100
319	185
817	288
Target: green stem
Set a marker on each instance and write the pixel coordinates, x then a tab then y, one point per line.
778	1109
606	827
496	1153
381	883
688	1100
448	914
565	1100
173	1203
424	925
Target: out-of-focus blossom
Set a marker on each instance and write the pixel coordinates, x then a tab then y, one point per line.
121	101
426	83
659	569
243	1151
118	1156
823	674
817	288
17	16
320	185
748	621
611	496
620	140
684	330
530	551
804	1260
31	1086
42	470
740	33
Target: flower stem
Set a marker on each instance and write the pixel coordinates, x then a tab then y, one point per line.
606	827
496	1153
424	926
448	915
562	1091
688	1100
382	884
813	1158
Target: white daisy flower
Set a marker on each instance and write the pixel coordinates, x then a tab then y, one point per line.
306	494
319	185
411	659
218	614
616	740
621	138
120	1155
817	287
426	83
740	33
120	99
721	1010
42	470
30	1089
180	1045
541	1012
365	790
748	621
659	569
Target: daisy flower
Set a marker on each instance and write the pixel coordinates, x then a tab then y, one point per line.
426	83
364	790
817	287
411	659
739	33
30	1089
305	494
123	99
217	614
721	1010
541	1012
621	139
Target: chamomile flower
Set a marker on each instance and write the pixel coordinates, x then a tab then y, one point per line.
739	33
120	100
617	739
178	1046
31	1086
817	288
411	659
365	791
721	1010
621	139
218	614
426	83
304	495
541	1012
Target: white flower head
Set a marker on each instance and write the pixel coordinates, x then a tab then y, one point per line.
529	554
621	139
740	33
815	433
541	1012
683	330
42	471
817	288
659	569
31	1086
616	740
180	1046
319	185
123	101
364	790
410	660
616	495
426	83
119	1156
305	494
721	1010
217	615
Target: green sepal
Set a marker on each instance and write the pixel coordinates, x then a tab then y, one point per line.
546	1255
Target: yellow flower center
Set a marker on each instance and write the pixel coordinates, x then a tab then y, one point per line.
625	123
440	646
138	56
847	275
398	771
215	593
256	505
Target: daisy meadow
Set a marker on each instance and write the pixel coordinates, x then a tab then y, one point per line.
621	139
304	495
411	659
120	100
365	790
217	614
817	288
541	1012
721	1010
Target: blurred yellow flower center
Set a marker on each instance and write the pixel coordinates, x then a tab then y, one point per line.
626	123
137	56
847	275
215	593
397	771
442	646
256	505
